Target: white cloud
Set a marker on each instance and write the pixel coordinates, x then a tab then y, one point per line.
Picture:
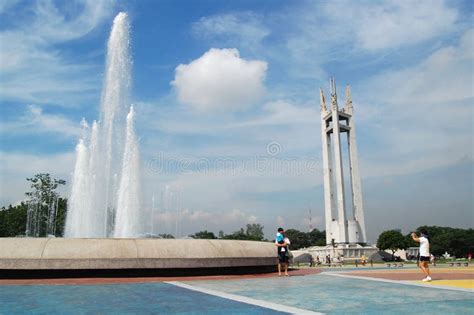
444	76
52	123
52	25
33	69
244	29
220	80
315	33
424	115
35	121
200	217
391	24
284	112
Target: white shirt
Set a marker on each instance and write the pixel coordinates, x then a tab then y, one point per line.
424	247
287	241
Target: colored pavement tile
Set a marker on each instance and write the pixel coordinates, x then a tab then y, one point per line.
464	284
336	295
143	298
332	293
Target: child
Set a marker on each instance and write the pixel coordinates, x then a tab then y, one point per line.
279	235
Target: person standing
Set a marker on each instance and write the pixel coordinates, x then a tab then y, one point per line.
424	252
283	257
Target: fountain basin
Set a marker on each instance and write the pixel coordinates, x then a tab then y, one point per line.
111	254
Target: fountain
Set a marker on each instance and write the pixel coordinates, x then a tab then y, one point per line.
103	192
105	203
128	222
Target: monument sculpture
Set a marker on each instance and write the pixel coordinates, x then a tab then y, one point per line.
345	230
340	228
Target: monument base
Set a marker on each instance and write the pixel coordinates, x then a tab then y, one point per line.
348	251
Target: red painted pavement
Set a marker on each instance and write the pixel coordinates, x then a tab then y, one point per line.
86	281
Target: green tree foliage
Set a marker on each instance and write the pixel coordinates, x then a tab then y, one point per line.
410	241
317	238
457	242
203	235
165	235
392	240
297	238
43	185
43	190
13	220
254	232
61	217
301	239
237	235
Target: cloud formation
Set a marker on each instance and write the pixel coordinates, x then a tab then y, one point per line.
35	121
423	84
220	80
244	28
391	24
33	68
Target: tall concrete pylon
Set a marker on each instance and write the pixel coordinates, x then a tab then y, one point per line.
340	228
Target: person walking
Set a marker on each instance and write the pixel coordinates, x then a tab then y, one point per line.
282	243
424	253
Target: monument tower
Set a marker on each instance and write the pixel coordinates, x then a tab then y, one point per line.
341	227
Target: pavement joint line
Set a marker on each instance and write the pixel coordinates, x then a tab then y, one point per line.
400	282
244	299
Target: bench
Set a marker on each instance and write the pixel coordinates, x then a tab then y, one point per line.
395	265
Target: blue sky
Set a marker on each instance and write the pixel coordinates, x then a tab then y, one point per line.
409	63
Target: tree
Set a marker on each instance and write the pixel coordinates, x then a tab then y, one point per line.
237	235
317	238
254	232
45	199
203	235
13	220
392	240
297	238
410	241
457	242
61	217
164	235
44	185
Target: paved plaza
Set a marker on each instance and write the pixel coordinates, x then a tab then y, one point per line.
307	291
